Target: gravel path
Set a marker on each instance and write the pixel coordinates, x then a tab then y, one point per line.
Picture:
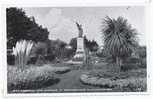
70	80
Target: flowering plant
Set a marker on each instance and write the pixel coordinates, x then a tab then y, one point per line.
21	52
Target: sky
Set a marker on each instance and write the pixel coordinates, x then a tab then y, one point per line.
60	21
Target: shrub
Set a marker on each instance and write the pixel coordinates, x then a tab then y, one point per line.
10	59
143	63
32	60
50	57
141	51
132	60
32	77
22	51
134	63
129	66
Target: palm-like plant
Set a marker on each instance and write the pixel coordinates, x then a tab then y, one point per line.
119	38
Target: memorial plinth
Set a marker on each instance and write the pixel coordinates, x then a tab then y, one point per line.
80	51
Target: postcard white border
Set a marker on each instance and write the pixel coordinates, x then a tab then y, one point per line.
94	3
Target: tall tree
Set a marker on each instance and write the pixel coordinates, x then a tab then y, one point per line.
58	47
119	38
73	44
19	26
91	45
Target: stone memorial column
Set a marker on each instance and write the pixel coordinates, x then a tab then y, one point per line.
80	52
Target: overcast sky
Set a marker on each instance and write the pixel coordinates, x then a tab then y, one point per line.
61	21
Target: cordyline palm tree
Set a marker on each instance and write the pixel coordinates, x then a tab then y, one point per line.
119	39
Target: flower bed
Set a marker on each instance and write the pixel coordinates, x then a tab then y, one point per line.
33	77
61	70
58	69
30	78
130	83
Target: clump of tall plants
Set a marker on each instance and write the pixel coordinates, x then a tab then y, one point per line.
22	53
119	39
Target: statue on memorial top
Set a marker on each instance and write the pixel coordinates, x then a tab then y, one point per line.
79	26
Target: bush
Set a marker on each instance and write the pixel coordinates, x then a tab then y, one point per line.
143	63
10	59
32	60
141	51
134	63
129	66
50	57
32	77
132	60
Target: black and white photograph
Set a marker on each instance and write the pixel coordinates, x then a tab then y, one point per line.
76	49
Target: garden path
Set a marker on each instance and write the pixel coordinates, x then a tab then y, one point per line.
71	80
